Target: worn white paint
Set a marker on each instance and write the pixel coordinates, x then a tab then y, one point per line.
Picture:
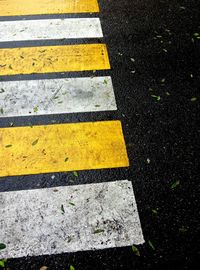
96	216
54	96
50	29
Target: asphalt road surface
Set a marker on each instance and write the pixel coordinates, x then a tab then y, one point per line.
154	52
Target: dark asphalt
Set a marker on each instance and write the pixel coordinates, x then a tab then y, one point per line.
162	134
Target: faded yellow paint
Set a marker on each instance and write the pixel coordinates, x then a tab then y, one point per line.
32	7
63	147
53	59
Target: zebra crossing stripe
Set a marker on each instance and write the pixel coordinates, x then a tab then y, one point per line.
54	96
69	219
47	59
63	147
24	7
50	29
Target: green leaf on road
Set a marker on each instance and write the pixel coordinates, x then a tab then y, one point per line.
35	142
105	82
151	244
71	267
2	263
73	204
193	99
75	174
35	109
98	231
163	80
2	246
8	146
154	211
175	184
183	229
156	97
62	209
135	250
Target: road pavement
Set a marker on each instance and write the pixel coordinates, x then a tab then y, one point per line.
143	128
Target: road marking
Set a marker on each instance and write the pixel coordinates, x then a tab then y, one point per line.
50	29
64	147
54	96
46	59
69	219
24	7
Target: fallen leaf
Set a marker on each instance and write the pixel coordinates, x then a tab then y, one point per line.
35	109
35	142
163	80
62	209
2	246
8	146
156	97
72	203
71	267
135	250
193	99
105	82
175	184
154	211
98	231
44	268
151	244
75	174
2	262
183	229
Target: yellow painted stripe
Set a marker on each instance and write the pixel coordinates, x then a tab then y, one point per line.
64	147
32	7
53	59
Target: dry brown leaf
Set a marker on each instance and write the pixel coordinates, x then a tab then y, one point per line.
44	268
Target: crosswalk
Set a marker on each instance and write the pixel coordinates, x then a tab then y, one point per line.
24	7
51	219
50	28
67	218
54	96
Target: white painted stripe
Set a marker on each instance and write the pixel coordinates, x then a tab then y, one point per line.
50	29
69	219
54	96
